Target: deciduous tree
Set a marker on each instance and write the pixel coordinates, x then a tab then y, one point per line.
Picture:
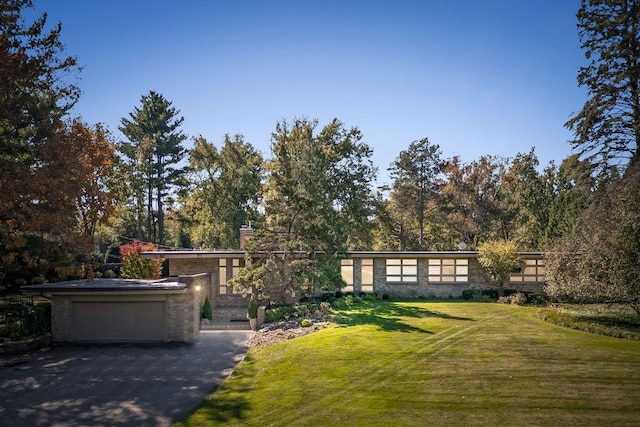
227	185
37	89
500	258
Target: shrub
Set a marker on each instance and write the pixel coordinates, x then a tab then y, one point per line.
362	294
109	274
348	300
135	267
206	310
468	294
305	323
38	280
20	282
325	307
33	321
327	297
518	298
385	297
252	310
338	294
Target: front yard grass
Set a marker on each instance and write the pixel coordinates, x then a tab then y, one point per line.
433	363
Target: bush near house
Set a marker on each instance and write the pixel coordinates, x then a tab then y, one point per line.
135	267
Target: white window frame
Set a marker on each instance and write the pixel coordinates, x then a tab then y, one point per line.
366	264
347	273
533	271
448	270
402	270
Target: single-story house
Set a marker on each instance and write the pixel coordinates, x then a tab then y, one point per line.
439	274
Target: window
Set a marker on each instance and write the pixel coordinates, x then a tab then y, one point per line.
366	276
448	270
222	276
226	266
402	270
532	271
346	269
235	267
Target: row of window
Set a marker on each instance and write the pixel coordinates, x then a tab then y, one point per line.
398	270
405	270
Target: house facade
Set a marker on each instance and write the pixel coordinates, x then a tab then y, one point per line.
438	274
432	274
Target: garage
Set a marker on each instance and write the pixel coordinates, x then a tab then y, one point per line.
126	310
119	321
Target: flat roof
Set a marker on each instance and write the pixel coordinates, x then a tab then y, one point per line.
103	284
352	254
194	254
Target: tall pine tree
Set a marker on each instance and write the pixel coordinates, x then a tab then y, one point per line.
154	151
607	129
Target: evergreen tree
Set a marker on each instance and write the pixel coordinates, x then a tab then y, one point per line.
416	174
607	128
154	151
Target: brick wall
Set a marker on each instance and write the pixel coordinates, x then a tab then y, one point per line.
478	279
183	310
61	322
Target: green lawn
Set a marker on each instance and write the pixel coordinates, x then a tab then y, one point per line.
433	363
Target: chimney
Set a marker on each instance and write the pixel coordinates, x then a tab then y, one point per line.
246	232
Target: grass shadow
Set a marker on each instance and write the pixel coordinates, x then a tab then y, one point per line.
226	403
390	316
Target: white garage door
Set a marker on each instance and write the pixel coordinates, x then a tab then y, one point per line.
120	321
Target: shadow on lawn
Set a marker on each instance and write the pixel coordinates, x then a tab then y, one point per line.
228	404
388	316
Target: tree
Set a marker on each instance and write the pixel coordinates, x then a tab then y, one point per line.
572	185
471	195
608	126
153	152
318	202
415	173
227	185
37	203
601	263
95	154
136	267
500	258
526	202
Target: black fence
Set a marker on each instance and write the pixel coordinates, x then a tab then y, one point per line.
24	314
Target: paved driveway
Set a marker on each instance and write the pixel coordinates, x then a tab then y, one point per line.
115	384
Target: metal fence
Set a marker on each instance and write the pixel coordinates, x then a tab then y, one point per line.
15	306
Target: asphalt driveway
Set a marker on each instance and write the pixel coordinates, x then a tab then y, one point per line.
115	384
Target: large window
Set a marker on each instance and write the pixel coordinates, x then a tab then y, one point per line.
346	269
222	276
402	270
226	266
448	270
532	271
366	276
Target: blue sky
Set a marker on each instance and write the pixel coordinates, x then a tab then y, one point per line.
476	77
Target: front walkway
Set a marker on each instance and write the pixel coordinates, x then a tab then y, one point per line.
115	384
